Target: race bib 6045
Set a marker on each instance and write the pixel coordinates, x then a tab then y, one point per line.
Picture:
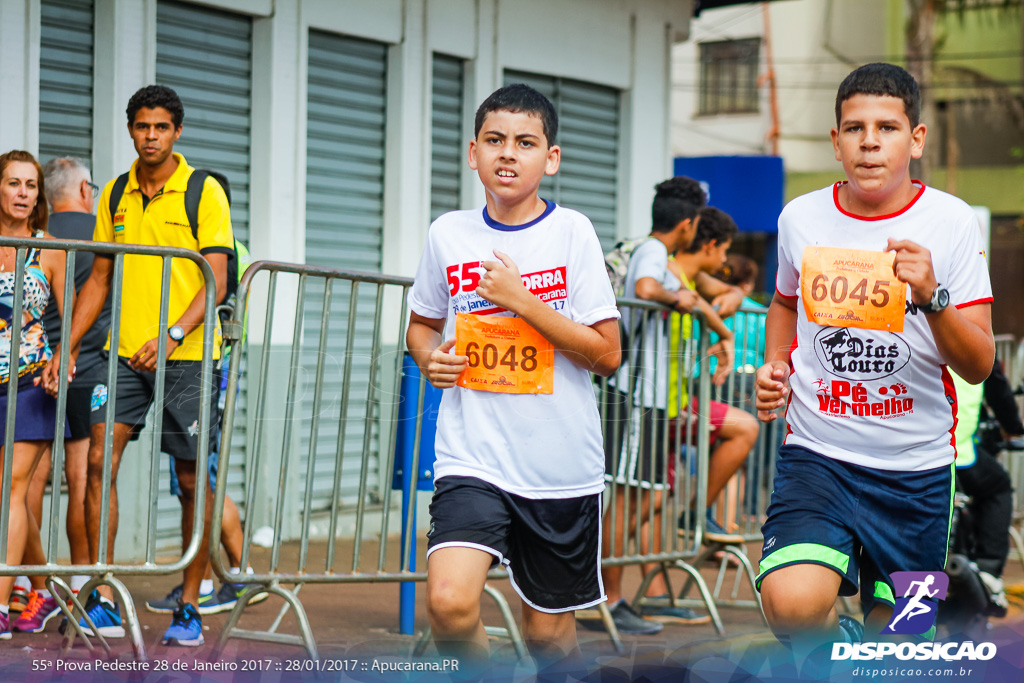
506	355
852	288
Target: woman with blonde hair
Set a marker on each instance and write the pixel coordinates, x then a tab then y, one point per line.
24	214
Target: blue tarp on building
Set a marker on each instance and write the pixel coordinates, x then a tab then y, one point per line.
750	189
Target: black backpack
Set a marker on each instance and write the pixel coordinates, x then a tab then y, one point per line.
193	195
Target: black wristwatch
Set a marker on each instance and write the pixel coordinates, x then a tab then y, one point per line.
939	301
176	333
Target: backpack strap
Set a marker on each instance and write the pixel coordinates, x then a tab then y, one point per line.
193	195
117	192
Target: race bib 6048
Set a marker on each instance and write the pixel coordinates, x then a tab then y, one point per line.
852	288
506	355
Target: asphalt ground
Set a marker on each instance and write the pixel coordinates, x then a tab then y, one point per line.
356	629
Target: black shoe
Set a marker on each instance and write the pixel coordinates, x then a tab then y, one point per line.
629	622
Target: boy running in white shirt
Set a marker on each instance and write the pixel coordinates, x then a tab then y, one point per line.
520	293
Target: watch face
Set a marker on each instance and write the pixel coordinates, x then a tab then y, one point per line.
176	333
943	298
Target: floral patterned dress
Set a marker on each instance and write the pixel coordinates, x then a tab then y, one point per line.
34	351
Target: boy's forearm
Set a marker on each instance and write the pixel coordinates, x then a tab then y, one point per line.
780	330
579	343
964	339
421	340
714	321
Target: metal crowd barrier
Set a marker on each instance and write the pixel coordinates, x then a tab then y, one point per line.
1011	353
365	317
105	573
666	361
744	501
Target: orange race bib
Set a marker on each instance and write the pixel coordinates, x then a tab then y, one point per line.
852	288
506	355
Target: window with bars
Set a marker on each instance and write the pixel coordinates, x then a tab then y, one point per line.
728	76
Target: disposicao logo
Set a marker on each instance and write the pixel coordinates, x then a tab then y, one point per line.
914	614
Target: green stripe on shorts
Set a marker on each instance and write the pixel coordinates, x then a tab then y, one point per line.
884	592
804	552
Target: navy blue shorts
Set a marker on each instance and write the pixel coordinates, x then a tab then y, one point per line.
857	521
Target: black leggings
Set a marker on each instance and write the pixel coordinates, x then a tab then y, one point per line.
988	485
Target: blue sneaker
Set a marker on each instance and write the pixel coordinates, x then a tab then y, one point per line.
186	627
106	617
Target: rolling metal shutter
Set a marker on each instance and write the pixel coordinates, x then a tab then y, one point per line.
65	79
205	55
447	148
346	113
588	133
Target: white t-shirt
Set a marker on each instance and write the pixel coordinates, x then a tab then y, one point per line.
531	445
649	364
877	398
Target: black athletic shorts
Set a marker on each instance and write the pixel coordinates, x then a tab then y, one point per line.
182	390
551	547
78	410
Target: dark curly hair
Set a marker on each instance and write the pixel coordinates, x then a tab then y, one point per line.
715	226
519	97
153	96
880	78
675	200
40	217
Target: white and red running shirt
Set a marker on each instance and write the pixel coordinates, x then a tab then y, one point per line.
531	445
874	398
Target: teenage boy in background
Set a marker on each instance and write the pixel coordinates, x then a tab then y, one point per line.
733	431
882	284
520	292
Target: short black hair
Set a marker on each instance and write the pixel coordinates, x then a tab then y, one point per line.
519	97
880	78
675	200
153	96
715	225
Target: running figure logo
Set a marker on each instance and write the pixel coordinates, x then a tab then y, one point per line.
914	613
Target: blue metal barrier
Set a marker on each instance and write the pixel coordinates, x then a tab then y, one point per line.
415	437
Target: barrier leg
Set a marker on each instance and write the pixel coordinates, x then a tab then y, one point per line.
609	626
696	579
511	630
130	617
74	629
304	639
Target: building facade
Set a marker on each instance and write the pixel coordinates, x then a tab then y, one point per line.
342	125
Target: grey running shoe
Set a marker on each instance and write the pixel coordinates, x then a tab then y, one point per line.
673	615
629	622
169	604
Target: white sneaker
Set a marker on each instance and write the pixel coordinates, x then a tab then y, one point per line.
996	594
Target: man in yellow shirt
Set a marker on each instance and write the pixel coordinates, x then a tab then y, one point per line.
151	211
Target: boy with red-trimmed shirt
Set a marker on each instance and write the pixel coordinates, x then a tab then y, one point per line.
882	285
